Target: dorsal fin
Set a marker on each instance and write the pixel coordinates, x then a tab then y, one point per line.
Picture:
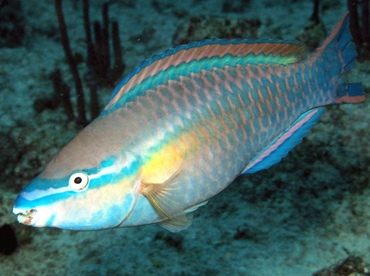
218	53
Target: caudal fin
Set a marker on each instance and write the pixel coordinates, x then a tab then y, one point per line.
339	53
341	40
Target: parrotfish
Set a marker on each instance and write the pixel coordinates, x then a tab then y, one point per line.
183	125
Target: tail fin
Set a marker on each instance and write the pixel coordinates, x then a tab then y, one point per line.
339	49
341	40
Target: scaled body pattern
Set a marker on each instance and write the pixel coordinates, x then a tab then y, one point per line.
183	125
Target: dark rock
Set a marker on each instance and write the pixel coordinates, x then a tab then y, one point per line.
8	241
11	23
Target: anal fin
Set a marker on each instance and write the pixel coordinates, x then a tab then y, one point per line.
280	147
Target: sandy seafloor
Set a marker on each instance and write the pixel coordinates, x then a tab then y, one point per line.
310	211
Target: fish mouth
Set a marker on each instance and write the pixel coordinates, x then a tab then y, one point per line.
27	217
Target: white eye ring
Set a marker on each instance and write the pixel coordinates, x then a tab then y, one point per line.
78	181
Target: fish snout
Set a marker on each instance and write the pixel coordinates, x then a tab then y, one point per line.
26	212
27	217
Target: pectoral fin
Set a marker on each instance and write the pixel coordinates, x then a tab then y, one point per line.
168	201
165	197
178	223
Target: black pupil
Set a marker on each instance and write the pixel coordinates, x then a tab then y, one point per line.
78	180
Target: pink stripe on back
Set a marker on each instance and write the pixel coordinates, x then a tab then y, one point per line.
208	51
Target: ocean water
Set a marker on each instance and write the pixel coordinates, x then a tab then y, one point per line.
309	212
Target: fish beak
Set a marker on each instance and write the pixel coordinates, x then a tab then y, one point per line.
27	217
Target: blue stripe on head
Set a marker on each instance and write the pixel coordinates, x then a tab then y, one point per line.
43	192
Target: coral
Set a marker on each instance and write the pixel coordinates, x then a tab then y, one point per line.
315	13
99	53
61	97
353	265
81	117
360	27
98	62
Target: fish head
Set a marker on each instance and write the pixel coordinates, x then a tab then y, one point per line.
92	195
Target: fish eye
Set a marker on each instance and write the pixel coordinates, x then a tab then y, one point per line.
78	181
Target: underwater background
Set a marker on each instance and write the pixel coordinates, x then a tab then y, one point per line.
307	215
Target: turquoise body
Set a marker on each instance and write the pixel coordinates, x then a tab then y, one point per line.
183	125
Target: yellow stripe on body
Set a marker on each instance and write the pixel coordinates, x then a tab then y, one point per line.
168	159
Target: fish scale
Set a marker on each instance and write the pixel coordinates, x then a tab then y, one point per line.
183	125
224	126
